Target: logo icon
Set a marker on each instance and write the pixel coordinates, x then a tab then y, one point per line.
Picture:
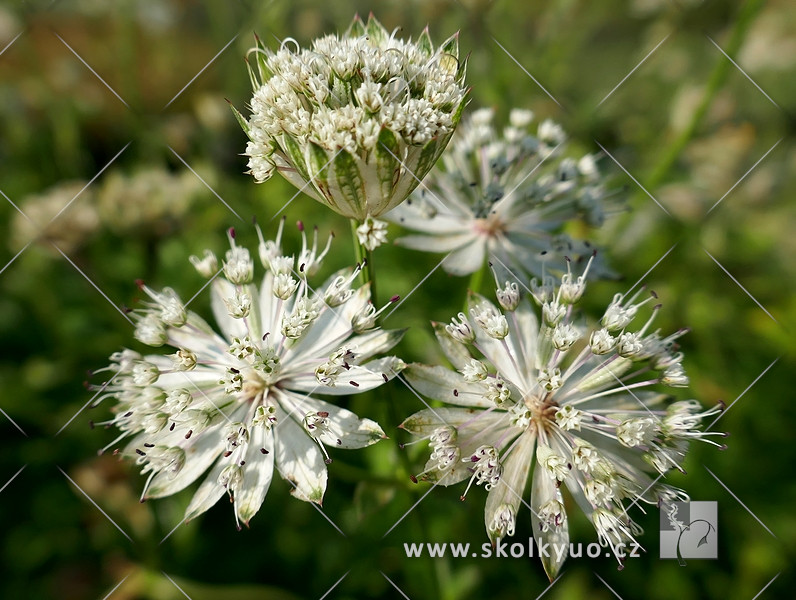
688	530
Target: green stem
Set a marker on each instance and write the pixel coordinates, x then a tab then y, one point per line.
715	82
361	254
476	280
359	251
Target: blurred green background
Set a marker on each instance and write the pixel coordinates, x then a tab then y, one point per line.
690	126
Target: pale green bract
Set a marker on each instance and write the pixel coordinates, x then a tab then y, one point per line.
355	121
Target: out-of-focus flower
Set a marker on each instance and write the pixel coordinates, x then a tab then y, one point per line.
505	196
243	401
355	121
152	201
543	397
56	216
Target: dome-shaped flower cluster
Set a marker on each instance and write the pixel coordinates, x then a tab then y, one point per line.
357	120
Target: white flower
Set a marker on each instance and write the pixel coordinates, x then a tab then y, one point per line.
357	120
372	233
572	416
504	197
44	219
243	401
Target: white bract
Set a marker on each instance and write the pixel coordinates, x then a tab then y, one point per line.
243	401
357	120
504	197
577	416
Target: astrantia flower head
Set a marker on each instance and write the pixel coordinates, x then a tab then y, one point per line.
504	196
242	401
357	120
541	397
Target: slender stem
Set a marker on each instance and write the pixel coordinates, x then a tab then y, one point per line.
371	269
717	77
476	280
359	251
361	254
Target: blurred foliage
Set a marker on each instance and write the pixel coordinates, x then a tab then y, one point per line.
695	131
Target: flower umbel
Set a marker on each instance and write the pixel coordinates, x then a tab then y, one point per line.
504	196
541	398
357	120
243	401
